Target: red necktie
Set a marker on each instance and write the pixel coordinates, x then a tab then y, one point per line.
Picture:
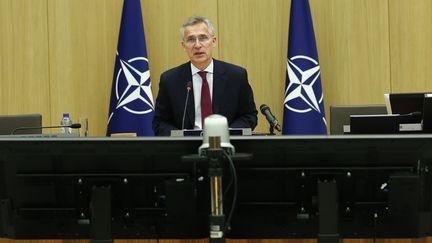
206	104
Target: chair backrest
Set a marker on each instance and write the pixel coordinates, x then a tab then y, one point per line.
8	123
340	114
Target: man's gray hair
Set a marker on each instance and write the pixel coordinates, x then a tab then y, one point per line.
193	20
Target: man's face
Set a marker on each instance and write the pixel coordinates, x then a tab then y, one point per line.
198	44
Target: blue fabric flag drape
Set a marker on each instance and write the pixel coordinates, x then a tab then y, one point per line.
131	104
303	102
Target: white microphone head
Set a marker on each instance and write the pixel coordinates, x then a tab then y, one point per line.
216	126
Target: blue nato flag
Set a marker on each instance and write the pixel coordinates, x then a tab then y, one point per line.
303	101
131	104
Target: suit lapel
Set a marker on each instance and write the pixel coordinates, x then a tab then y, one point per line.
186	76
219	84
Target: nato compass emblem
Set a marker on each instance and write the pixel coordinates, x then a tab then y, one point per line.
300	95
133	87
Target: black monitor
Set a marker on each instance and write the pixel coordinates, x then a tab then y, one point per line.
386	124
405	115
427	114
406	103
8	124
140	188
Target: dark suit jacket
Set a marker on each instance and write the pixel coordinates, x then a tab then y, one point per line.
232	98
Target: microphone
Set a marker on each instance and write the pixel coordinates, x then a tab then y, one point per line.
73	126
415	113
265	110
188	88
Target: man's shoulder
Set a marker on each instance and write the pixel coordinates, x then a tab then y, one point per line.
228	66
174	72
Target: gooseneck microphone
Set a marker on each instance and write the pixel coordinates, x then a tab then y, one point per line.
188	88
73	126
265	110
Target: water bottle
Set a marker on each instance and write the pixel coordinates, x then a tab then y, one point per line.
66	121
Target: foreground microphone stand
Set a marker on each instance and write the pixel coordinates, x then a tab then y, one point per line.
214	155
215	172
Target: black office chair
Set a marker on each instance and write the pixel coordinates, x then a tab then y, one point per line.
8	123
340	115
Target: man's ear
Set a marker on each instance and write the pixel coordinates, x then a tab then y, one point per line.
214	42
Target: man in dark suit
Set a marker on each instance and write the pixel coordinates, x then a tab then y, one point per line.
210	86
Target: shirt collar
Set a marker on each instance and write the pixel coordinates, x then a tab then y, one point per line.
208	69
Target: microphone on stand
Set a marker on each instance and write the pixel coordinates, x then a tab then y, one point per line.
73	126
188	88
265	110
